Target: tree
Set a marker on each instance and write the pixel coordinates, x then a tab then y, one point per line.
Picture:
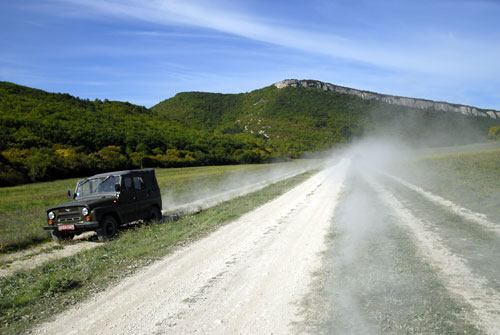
494	132
111	158
42	165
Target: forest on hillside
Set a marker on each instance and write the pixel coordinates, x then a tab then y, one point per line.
306	118
46	136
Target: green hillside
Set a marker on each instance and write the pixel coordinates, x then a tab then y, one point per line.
299	119
291	120
46	136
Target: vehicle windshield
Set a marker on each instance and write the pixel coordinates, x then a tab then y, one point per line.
94	186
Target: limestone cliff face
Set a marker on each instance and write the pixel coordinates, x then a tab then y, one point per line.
391	99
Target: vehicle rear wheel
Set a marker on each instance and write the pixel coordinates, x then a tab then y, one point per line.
109	227
59	237
154	215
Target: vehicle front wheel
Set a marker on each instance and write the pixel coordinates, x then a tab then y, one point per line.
59	237
108	230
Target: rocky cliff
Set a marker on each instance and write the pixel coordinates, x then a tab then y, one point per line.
391	99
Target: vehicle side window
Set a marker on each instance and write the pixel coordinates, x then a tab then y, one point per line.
127	183
138	183
107	184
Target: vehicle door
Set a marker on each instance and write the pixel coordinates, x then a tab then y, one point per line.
127	200
141	193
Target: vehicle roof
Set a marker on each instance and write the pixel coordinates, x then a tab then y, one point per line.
121	173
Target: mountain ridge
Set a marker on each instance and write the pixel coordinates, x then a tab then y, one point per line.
391	99
297	112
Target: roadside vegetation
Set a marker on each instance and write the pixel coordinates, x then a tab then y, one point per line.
494	133
23	208
32	296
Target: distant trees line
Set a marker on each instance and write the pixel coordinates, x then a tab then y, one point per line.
21	165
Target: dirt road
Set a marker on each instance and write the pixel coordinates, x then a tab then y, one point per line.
248	277
191	203
404	261
349	251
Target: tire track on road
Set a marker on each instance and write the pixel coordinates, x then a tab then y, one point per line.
458	277
467	214
374	279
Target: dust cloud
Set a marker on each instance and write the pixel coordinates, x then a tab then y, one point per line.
379	277
198	196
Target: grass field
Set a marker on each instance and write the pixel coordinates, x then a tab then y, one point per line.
31	296
23	208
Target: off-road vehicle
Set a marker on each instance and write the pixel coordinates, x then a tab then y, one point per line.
103	202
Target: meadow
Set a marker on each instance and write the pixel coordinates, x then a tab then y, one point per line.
31	296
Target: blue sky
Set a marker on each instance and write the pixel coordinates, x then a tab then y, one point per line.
147	51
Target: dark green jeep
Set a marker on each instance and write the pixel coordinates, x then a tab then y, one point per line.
103	202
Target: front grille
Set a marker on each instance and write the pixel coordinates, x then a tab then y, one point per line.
68	215
66	219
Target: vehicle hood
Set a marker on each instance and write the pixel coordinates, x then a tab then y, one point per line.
91	201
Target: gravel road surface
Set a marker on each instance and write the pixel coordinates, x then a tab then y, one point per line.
246	278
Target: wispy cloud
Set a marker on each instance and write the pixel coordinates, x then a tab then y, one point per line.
445	50
152	33
437	53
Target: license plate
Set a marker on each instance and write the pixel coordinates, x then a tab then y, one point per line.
67	227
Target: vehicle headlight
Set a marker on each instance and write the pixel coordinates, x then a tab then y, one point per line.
85	211
51	215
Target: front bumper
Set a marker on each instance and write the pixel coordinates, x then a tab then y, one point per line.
78	226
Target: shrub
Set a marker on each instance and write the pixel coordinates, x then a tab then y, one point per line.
494	133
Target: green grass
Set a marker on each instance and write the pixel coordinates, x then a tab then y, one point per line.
23	208
32	296
457	149
22	212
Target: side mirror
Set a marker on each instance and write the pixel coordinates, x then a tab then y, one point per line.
69	193
118	187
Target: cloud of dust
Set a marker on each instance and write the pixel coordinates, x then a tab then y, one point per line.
359	231
198	195
427	127
361	257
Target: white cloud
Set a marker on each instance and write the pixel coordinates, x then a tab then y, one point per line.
437	54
